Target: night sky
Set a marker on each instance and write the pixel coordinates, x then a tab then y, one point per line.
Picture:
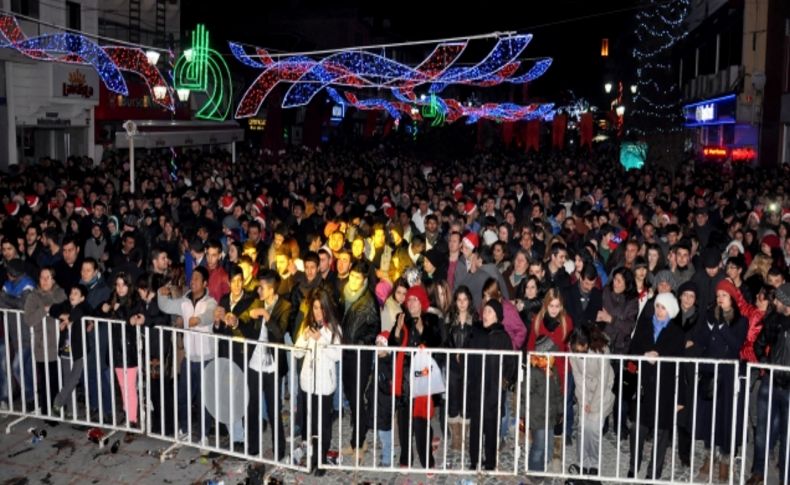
573	43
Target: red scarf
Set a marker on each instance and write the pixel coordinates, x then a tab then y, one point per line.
422	406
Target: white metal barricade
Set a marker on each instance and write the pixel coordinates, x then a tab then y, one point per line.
769	428
99	387
415	433
639	387
224	382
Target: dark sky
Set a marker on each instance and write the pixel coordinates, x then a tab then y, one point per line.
574	44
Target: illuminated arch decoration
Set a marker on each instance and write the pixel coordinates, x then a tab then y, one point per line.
202	69
77	49
361	69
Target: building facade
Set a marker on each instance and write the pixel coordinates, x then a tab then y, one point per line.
734	72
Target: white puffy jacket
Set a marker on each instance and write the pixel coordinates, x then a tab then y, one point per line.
197	347
320	357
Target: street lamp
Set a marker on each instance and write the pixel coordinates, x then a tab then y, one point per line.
607	87
633	89
152	56
160	92
620	110
183	94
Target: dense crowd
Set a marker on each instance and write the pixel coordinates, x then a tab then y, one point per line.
381	246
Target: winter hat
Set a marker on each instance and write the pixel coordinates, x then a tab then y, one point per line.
437	258
418	291
711	258
544	344
490	237
469	208
688	286
383	338
497	307
32	201
227	202
668	301
734	243
230	222
727	287
15	268
666	276
12	209
783	294
471	239
383	290
772	240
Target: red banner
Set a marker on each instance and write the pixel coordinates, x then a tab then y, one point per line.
507	133
533	135
558	131
370	123
586	130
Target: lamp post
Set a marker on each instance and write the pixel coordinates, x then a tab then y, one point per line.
131	131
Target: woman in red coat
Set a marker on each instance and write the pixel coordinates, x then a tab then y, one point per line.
553	322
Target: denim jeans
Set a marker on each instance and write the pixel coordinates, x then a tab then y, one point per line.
537	450
385	437
765	442
99	371
189	395
23	361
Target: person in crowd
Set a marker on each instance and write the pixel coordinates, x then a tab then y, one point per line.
71	346
657	338
14	295
196	312
553	322
583	299
488	378
317	377
393	303
124	305
594	378
45	349
544	402
620	306
460	320
414	328
381	399
361	324
720	334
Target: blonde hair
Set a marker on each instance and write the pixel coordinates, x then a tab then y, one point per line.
760	265
552	294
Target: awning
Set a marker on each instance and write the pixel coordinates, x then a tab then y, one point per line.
162	134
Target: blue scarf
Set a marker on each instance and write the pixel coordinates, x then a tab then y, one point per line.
658	326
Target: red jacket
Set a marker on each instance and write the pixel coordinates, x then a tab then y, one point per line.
218	283
755	317
559	338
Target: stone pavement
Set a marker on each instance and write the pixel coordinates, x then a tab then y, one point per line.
66	456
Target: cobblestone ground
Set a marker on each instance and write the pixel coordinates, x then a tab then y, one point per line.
67	456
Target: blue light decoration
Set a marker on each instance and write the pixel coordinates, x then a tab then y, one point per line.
85	50
360	69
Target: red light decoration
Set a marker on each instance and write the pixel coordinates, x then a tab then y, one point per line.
134	60
742	154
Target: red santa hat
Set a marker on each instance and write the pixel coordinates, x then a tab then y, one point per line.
12	209
32	201
227	202
471	239
757	214
262	201
786	215
458	186
469	208
260	220
79	207
61	193
390	212
386	202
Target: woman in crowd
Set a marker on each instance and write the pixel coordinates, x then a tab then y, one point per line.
318	378
460	320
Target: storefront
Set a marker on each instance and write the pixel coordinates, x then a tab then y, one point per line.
49	110
716	133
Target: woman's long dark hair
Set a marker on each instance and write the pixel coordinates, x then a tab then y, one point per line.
452	315
591	337
131	296
630	282
329	310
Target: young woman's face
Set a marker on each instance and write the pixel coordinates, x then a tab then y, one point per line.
578	264
618	284
318	312
462	302
661	312
489	316
531	290
652	257
554	308
120	288
724	300
640	273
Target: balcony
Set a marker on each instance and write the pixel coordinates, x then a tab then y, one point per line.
727	80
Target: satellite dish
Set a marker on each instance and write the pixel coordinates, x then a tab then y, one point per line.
225	397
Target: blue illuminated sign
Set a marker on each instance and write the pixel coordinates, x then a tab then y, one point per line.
711	112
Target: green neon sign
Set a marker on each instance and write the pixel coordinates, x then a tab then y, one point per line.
433	110
202	69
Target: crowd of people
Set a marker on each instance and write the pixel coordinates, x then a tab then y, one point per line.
382	247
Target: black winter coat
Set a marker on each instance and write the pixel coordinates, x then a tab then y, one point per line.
362	321
483	373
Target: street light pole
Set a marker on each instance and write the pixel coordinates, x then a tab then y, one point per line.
131	130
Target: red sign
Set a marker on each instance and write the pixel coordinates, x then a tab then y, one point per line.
743	154
736	154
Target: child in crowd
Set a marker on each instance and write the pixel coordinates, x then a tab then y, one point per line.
71	348
544	403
